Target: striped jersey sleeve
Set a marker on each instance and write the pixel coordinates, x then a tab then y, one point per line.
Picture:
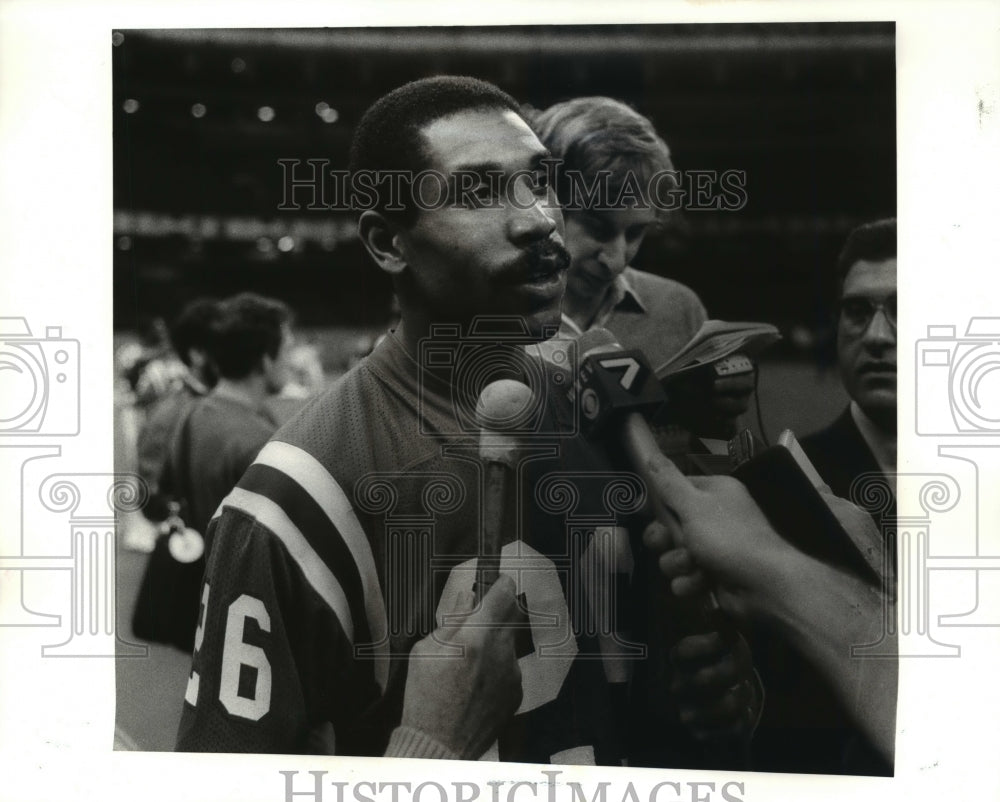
291	653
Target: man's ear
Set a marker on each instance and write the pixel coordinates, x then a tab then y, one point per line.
381	239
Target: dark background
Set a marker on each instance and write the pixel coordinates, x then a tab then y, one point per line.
807	110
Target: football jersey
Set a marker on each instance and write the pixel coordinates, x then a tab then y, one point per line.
348	540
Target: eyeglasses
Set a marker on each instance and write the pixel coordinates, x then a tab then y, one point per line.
856	313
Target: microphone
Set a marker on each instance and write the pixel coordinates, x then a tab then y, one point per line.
502	407
615	389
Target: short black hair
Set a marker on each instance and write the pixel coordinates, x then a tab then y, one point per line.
871	242
192	328
388	135
247	327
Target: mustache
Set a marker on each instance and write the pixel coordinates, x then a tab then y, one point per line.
542	254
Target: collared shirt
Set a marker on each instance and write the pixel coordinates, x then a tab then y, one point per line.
657	315
621	292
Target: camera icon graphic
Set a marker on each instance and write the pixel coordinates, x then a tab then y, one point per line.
958	379
39	381
460	364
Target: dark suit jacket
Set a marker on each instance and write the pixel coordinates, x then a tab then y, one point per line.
804	727
840	454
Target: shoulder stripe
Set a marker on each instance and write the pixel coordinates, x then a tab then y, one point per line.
321	486
319	532
322	580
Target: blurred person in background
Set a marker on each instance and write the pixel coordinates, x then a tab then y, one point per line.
306	369
306	379
211	447
862	440
602	143
146	370
189	336
156	371
250	342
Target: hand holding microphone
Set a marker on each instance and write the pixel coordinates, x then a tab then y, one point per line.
717	527
615	389
501	406
823	611
717	692
445	711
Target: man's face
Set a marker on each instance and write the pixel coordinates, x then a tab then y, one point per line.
866	347
602	244
502	254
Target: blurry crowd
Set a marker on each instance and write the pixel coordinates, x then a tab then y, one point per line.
201	397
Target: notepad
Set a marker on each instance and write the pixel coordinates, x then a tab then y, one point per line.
715	340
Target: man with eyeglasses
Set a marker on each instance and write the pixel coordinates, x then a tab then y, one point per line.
809	726
863	439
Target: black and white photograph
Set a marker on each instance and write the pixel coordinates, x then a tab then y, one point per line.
528	394
678	211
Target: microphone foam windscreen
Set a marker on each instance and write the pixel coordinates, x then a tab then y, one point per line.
596	339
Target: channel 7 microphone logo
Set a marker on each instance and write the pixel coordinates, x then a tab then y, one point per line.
39	381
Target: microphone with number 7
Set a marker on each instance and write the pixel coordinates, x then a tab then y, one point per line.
614	390
501	407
